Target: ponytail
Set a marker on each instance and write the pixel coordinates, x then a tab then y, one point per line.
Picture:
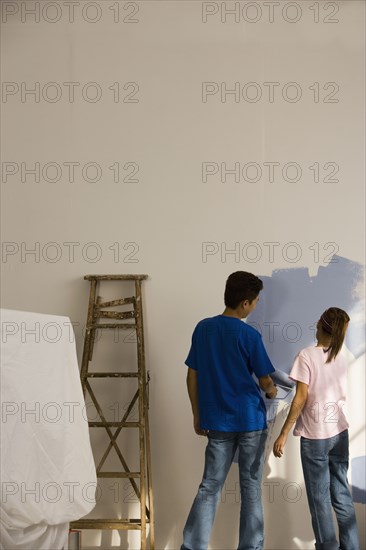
334	322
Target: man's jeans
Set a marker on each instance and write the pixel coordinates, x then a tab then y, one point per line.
220	452
325	465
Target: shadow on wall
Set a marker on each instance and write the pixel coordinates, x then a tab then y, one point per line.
359	479
292	302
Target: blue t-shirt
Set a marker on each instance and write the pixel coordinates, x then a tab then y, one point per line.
225	352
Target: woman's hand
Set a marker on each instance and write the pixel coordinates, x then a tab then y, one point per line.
279	445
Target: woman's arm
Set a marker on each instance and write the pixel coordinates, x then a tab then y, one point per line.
295	410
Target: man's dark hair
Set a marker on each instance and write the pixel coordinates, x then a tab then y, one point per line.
241	286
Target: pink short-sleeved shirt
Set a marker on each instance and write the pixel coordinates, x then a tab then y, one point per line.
323	414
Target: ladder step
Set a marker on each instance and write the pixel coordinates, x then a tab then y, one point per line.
115	424
112	374
101	314
115	277
127	326
119	302
107	523
119	474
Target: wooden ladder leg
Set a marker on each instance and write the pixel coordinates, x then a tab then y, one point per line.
149	479
141	383
88	334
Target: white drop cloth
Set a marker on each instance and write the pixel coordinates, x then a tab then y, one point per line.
47	469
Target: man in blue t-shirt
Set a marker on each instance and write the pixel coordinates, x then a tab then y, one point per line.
228	407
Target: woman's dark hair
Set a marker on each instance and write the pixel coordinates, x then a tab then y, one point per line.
334	321
241	286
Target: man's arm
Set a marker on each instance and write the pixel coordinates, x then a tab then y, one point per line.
295	410
192	386
266	384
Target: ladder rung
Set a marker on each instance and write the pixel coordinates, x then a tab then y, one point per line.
107	523
119	302
114	424
112	374
101	314
115	277
118	474
112	325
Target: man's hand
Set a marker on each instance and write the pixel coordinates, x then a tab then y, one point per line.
279	445
192	385
197	429
272	393
266	384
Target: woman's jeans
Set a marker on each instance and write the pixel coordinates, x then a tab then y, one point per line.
220	452
325	465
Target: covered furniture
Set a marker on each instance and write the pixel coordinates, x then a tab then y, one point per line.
47	468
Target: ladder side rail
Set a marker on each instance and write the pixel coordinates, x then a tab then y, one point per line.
149	479
141	383
88	334
93	326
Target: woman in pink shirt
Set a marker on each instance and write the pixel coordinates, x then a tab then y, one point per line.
320	373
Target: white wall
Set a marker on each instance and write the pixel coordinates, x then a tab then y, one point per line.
161	54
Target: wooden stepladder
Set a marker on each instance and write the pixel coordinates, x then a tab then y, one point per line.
112	315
